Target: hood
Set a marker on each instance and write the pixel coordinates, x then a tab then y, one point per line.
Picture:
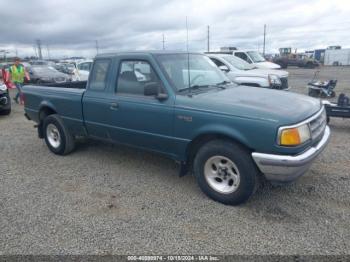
267	65
283	108
265	72
260	73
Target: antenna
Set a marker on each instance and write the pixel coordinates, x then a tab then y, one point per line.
163	42
264	39
208	44
188	59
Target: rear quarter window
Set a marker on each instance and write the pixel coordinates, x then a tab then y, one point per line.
98	78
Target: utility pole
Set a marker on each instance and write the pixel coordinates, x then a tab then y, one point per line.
48	51
96	46
208	40
34	48
38	42
264	39
163	42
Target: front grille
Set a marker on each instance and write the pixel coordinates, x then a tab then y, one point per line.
318	125
284	82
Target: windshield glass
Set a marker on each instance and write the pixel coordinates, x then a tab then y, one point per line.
238	63
203	72
256	57
44	70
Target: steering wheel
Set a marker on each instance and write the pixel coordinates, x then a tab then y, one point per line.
195	78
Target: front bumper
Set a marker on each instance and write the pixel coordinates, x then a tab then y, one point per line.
284	168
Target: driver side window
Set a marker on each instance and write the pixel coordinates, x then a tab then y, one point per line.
134	76
243	56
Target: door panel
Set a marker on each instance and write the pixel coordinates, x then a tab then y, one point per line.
143	122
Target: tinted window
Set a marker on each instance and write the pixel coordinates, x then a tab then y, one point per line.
134	75
242	56
217	62
99	75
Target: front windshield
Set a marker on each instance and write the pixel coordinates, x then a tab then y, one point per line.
44	70
202	71
238	63
256	57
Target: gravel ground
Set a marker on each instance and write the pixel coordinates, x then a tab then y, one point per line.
105	199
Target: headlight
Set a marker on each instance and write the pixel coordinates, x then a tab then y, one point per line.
274	80
294	136
3	87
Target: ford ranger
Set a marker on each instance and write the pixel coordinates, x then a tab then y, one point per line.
181	105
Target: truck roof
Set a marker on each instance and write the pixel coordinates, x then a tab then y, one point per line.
144	52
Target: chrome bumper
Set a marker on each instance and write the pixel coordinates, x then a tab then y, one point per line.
284	168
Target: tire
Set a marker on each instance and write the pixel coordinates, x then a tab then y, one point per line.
313	93
225	172
5	112
57	137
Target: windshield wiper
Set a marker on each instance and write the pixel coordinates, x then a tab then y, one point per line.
222	84
193	87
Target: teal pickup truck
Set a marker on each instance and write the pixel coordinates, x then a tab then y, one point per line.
181	105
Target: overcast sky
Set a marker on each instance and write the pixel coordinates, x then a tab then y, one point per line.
72	27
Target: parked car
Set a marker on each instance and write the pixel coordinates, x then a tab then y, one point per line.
83	68
188	110
46	74
5	100
246	74
255	58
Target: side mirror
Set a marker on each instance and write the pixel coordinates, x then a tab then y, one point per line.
224	68
153	89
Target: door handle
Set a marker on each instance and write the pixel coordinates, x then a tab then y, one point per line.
114	106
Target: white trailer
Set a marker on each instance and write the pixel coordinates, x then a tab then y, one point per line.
337	57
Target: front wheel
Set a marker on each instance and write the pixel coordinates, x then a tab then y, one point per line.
225	172
57	137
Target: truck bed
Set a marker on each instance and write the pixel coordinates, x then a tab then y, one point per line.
64	99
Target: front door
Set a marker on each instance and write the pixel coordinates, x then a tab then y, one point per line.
139	119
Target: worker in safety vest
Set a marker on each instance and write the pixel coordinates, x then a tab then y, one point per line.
17	72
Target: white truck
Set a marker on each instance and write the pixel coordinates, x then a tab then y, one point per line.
246	74
255	58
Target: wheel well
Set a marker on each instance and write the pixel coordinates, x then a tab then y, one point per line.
199	141
43	113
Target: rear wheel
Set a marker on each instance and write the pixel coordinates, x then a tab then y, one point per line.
57	136
225	172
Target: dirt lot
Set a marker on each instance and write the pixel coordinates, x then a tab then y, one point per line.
105	199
